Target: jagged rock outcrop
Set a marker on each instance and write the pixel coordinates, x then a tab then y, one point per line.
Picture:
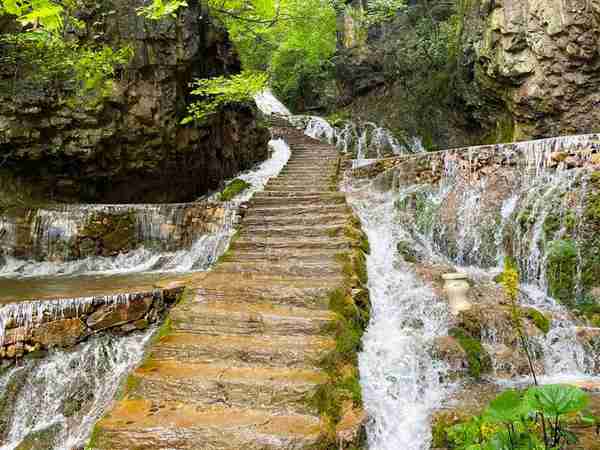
125	144
540	59
489	71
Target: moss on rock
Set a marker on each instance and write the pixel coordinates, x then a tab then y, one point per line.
234	188
478	358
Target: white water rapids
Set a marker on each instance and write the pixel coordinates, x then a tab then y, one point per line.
60	397
401	381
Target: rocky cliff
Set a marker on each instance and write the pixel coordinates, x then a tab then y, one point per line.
473	72
125	144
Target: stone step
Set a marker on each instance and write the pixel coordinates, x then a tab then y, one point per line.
267	230
296	220
293	187
291	245
240	318
328	199
295	194
276	389
145	425
320	180
312	296
281	255
272	351
309	269
317	164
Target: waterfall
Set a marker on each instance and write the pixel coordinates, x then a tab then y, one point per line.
468	210
402	384
170	241
59	398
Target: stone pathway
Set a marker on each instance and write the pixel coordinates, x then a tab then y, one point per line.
241	359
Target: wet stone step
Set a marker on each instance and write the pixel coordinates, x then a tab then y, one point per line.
322	200
244	319
272	351
276	389
146	424
296	268
315	296
291	245
292	231
296	220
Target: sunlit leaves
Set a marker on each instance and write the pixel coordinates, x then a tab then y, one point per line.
218	92
160	8
37	13
556	399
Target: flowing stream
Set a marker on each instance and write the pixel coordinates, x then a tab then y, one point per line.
54	402
470	220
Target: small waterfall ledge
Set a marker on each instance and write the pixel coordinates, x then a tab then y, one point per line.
36	326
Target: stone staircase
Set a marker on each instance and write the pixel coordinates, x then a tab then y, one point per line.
243	355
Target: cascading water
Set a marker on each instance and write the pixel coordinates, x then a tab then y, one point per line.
159	228
55	402
482	207
401	381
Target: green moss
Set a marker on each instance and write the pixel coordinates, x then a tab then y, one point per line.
234	188
561	270
111	233
479	360
406	251
92	443
164	330
542	322
351	304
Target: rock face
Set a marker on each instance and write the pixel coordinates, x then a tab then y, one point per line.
38	326
125	144
541	60
526	69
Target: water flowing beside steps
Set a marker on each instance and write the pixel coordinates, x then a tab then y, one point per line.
402	383
244	352
173	237
54	402
467	210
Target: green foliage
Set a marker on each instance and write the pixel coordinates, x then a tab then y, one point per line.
539	319
45	59
233	189
556	400
222	91
533	420
38	13
159	9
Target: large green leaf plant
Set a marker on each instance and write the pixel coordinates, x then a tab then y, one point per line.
535	419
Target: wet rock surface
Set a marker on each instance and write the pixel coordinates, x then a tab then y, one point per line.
35	327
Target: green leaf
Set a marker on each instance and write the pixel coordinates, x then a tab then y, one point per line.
556	399
508	407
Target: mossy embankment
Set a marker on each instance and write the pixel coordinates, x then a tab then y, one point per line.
339	401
